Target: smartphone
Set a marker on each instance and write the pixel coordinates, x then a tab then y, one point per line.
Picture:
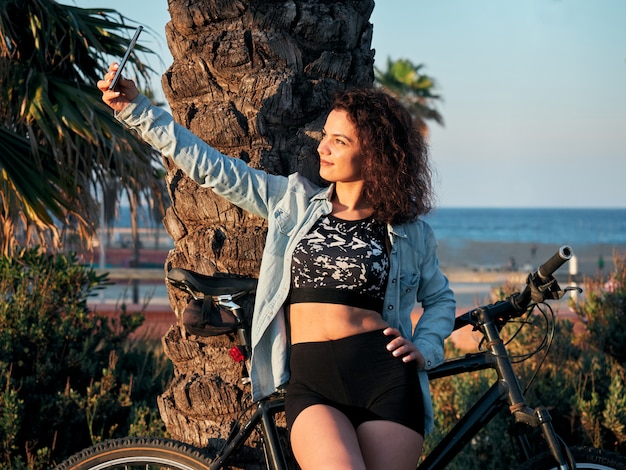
131	46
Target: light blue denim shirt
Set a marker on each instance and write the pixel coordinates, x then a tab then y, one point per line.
292	205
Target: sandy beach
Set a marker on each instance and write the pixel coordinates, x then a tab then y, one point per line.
477	257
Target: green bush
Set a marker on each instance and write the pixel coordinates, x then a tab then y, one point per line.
68	377
582	380
604	312
601	391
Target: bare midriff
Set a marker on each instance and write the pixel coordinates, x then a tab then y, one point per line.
310	322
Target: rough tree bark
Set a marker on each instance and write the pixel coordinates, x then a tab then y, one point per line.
255	80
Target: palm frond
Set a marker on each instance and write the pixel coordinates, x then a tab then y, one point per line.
51	113
38	191
415	89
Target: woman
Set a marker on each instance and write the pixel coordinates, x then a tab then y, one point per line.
342	269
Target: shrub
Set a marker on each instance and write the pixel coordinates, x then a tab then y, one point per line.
601	392
68	377
604	312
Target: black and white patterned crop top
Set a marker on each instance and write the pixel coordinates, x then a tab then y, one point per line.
341	262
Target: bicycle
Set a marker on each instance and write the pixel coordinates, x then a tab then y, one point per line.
505	390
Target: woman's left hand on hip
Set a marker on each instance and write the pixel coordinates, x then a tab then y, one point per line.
402	347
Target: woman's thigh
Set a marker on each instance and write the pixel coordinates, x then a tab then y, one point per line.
323	437
387	444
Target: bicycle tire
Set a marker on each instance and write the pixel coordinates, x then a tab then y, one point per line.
587	458
138	452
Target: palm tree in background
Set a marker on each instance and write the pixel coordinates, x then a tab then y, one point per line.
60	144
415	89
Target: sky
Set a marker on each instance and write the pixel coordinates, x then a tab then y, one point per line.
534	93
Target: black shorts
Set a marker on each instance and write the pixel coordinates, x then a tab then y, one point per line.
358	376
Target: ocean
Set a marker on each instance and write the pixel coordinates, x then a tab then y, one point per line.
532	225
552	226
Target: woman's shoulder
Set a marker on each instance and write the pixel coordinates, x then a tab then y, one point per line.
417	227
418	236
301	184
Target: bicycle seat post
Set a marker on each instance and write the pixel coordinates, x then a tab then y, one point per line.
226	301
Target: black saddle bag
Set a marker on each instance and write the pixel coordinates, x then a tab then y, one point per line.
203	318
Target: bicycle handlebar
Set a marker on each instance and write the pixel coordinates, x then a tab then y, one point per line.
546	270
516	304
543	274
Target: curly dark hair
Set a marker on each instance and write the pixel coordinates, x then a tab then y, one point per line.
396	168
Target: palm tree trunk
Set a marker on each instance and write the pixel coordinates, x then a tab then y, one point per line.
255	80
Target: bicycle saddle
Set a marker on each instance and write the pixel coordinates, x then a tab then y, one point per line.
199	285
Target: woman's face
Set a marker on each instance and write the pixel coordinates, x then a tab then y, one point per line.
339	150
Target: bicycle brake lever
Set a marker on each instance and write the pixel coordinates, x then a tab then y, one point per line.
546	289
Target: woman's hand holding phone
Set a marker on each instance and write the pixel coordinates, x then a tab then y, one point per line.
117	91
126	90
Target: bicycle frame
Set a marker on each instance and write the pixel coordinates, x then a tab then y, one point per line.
506	390
264	414
474	420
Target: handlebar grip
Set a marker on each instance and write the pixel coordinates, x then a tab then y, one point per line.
564	254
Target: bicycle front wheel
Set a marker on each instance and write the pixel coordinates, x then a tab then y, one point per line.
587	458
132	453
